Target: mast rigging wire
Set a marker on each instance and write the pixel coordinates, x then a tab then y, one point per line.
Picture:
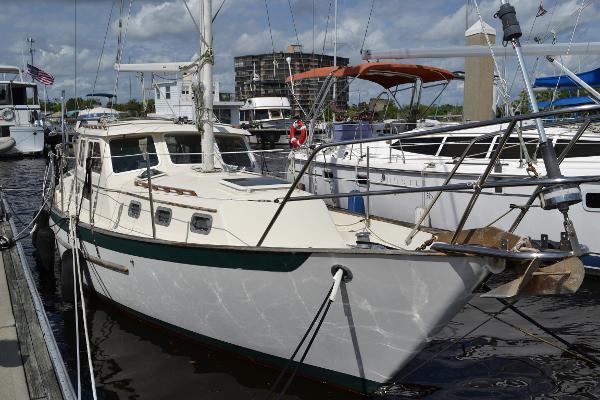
362	46
121	44
270	31
103	45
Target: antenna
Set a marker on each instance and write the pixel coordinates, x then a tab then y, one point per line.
31	41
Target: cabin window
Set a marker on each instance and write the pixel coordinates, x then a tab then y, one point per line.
275	114
201	223
185	89
135	208
128	154
234	151
167	92
184	148
95	158
244	115
592	201
4	94
223	115
261	114
162	216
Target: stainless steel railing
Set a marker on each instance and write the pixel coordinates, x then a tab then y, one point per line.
481	183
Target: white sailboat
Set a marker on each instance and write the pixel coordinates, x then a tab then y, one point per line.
173	224
430	160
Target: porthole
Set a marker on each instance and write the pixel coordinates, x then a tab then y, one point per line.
201	223
135	207
162	216
592	201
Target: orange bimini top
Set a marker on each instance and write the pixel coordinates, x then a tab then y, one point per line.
386	74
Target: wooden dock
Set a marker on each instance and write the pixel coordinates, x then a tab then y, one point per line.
30	365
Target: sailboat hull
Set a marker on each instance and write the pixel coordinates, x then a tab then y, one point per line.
259	302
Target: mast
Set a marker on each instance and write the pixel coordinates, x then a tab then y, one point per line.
334	52
208	139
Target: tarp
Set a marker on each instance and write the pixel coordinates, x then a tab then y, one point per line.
566	102
592	78
386	74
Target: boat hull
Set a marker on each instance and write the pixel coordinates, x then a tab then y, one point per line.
259	302
27	141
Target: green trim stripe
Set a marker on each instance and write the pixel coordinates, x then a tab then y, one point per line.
192	254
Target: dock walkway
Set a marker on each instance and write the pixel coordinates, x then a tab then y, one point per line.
30	367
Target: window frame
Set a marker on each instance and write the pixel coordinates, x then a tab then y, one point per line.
208	217
129	209
584	202
120	137
162	209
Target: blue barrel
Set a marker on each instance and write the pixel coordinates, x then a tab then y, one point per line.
356	203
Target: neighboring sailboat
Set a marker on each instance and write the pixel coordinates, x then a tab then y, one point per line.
428	160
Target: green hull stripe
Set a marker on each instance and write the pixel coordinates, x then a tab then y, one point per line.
213	256
361	385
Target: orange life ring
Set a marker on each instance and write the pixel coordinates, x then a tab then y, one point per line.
297	126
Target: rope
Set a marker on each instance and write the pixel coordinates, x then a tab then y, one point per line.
218	10
291	359
121	45
362	46
539	338
293	21
454	341
503	85
103	45
270	31
555	91
76	307
75	55
85	326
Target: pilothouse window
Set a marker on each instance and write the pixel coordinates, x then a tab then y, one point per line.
261	114
127	154
234	151
184	149
187	149
4	94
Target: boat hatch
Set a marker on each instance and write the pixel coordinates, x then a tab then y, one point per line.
258	183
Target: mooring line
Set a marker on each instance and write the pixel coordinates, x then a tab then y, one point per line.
541	339
329	298
453	342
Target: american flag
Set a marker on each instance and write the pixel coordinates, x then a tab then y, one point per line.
40	75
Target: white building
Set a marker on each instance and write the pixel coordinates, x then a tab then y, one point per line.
173	96
175	99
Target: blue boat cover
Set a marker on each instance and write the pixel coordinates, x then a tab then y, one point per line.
592	78
567	102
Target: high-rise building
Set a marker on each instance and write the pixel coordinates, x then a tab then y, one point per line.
264	75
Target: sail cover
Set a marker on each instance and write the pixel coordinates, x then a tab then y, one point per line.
386	74
592	78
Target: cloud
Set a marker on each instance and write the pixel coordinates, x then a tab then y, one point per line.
162	30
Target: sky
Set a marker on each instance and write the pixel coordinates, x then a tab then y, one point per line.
162	30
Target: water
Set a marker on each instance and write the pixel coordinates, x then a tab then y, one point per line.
136	360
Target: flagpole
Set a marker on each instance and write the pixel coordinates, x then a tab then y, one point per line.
45	103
